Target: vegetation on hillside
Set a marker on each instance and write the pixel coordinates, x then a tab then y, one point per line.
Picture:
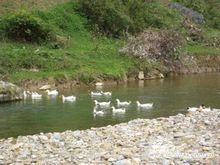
81	39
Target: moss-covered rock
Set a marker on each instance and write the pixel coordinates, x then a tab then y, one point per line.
9	92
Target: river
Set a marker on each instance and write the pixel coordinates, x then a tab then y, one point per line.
170	96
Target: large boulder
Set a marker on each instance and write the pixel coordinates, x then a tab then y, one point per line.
195	16
9	92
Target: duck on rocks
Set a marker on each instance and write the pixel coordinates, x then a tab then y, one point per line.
201	108
144	106
122	104
192	109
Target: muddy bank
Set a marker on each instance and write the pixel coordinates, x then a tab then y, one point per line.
190	139
194	65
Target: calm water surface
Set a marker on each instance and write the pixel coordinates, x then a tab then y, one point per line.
170	96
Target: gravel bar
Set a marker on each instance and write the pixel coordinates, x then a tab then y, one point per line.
182	139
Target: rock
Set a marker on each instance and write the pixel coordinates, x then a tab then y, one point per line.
195	16
45	87
99	84
112	159
123	162
136	161
10	92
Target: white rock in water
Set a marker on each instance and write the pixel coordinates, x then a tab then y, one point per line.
99	84
45	87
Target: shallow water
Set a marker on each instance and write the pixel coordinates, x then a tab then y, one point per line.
170	96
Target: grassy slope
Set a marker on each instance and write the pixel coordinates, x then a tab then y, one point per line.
85	57
10	6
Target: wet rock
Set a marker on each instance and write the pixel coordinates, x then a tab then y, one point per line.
9	92
45	87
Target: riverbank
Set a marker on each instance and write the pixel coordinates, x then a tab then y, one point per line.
81	54
180	139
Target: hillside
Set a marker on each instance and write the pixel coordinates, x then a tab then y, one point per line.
82	44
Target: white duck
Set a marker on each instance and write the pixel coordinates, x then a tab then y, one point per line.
35	95
204	108
25	94
122	104
97	113
68	98
96	94
52	93
145	106
102	104
192	109
119	110
106	93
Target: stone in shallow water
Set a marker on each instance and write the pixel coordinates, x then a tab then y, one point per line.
9	92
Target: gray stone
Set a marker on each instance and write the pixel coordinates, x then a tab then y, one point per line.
9	92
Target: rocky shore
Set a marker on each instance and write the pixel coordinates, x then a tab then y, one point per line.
182	139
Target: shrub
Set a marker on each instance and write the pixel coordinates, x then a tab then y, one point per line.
117	18
23	26
153	44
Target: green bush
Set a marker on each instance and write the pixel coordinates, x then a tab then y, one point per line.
25	27
119	17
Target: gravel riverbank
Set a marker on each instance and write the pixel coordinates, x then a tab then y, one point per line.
190	139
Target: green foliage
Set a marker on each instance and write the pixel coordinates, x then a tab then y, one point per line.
25	27
209	8
83	56
116	18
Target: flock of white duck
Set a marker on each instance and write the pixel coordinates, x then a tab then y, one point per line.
51	93
100	107
121	105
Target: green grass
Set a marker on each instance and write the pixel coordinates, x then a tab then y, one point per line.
200	49
11	6
85	57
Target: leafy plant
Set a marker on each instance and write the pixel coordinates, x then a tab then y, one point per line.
23	26
117	18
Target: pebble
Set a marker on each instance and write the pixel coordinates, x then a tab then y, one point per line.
180	139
